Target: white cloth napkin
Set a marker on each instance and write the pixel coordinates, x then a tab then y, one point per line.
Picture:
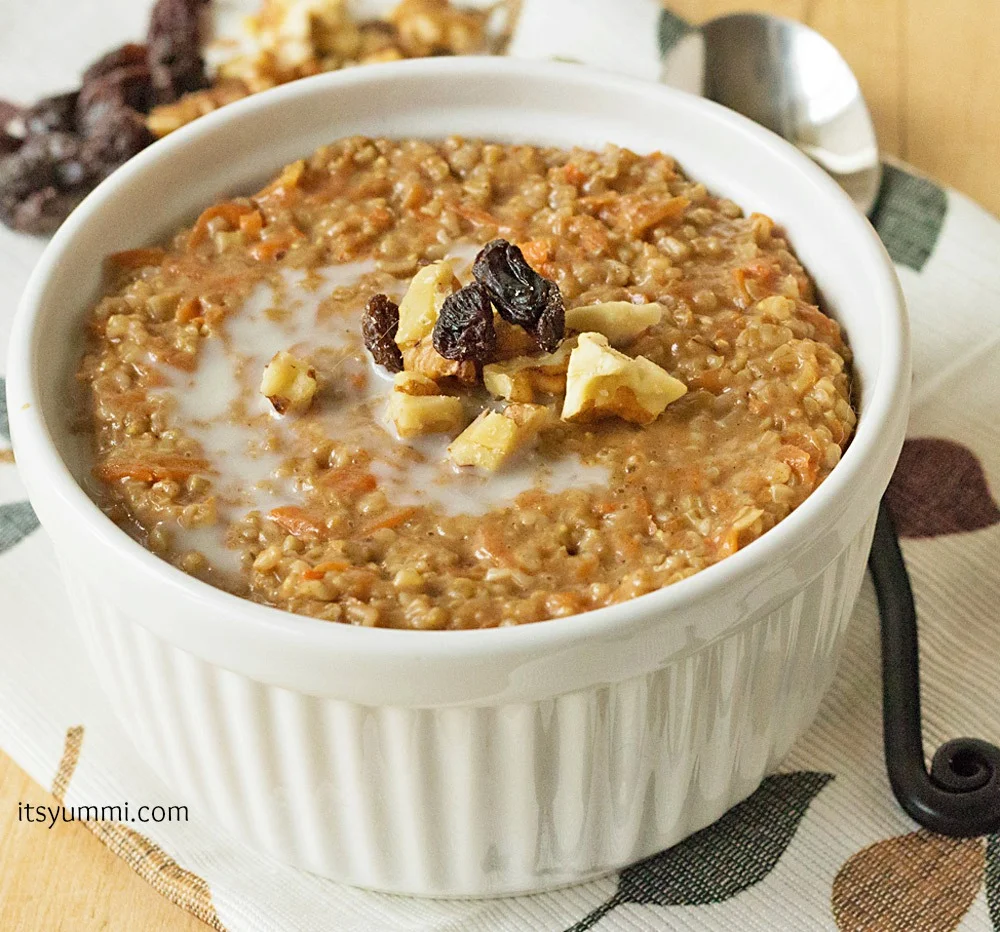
844	855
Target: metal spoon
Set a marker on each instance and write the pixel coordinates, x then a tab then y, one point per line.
788	78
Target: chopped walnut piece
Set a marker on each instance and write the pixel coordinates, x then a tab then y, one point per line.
518	379
288	383
415	414
416	406
420	306
435	27
602	382
620	321
426	360
512	340
413	383
494	437
166	118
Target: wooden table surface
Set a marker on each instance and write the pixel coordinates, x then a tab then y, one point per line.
930	73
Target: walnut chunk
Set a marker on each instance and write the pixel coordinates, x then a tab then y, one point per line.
620	321
602	382
416	406
413	383
520	378
419	309
494	437
288	383
512	340
435	27
426	360
166	118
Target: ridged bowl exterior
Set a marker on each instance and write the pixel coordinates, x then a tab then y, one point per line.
484	800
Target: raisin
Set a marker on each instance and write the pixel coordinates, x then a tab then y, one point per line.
120	134
464	329
51	115
551	326
520	295
41	212
102	99
43	161
174	52
516	289
127	56
378	327
42	182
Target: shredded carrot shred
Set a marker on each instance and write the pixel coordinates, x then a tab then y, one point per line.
799	460
188	310
391	520
136	258
825	326
537	252
639	217
274	246
230	212
297	522
474	215
416	197
152	470
740	275
349	479
252	223
328	566
574	174
729	543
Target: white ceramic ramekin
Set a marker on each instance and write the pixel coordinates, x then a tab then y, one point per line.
469	762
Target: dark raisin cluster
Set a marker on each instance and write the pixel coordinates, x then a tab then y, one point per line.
464	329
173	49
379	324
520	295
54	152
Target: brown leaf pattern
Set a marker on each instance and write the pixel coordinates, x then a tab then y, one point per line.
939	487
919	882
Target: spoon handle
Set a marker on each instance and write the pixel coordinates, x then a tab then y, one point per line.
960	796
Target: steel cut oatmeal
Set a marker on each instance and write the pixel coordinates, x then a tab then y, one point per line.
461	384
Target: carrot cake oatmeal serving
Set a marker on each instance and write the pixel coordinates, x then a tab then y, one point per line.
461	384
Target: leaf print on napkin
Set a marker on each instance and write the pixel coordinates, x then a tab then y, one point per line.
939	487
917	881
727	857
993	879
670	30
17	521
908	216
4	423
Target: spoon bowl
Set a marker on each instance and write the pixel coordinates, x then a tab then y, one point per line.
788	78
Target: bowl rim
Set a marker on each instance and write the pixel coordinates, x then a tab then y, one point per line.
889	389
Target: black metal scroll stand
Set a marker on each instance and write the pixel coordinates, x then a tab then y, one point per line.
961	794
